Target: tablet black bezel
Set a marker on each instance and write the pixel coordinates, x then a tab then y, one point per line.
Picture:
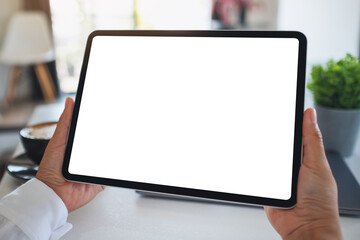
237	198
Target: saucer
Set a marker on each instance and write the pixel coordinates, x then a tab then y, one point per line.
22	167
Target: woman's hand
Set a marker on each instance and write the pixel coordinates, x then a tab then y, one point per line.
74	195
316	214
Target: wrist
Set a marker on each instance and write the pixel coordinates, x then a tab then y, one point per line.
321	230
56	187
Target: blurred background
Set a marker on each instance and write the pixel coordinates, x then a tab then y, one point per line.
331	26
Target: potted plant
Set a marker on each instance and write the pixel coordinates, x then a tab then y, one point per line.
336	91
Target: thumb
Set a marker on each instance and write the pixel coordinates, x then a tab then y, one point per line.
60	136
313	148
54	152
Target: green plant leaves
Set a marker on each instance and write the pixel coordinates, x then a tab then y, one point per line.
337	85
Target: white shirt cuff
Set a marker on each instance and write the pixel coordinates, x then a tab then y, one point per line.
37	210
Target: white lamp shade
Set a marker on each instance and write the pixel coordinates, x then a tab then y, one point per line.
27	40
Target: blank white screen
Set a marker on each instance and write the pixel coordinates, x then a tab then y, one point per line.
206	113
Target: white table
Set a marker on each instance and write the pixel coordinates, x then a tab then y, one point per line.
119	213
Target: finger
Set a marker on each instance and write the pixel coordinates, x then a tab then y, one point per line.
313	148
54	152
62	128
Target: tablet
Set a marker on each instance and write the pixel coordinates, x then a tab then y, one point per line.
205	114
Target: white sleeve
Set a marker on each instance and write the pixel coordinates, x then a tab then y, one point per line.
33	211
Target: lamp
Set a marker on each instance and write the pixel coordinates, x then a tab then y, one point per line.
28	42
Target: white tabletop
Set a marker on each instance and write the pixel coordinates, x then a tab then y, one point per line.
119	213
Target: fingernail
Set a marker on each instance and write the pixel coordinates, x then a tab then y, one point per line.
313	117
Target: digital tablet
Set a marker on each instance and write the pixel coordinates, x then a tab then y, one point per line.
205	114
